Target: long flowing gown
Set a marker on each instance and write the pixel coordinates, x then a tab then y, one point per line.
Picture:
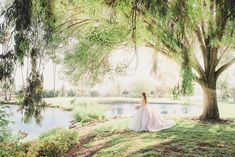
147	119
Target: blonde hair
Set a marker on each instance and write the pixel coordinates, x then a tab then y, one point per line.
145	98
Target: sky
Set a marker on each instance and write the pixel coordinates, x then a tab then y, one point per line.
142	71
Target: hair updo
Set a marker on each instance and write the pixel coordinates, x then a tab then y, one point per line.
145	98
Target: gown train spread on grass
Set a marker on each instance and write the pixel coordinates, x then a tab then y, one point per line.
147	119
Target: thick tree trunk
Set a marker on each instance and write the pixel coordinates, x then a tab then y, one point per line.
210	106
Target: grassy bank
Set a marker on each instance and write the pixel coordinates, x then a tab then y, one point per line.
187	138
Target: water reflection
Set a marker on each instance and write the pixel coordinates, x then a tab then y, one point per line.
164	112
185	110
52	117
126	110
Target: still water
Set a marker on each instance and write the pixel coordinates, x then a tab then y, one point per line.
54	117
126	110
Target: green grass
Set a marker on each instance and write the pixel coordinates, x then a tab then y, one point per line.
187	138
88	111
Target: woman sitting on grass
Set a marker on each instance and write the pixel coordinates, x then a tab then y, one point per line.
147	119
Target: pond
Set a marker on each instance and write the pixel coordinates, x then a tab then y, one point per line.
55	117
52	117
126	110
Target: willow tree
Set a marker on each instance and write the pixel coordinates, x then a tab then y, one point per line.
177	27
183	30
31	24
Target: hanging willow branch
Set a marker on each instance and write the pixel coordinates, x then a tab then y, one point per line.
31	97
134	30
33	21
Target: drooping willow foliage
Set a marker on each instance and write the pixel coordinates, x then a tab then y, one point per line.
158	22
30	98
91	31
49	19
166	24
174	26
90	58
31	23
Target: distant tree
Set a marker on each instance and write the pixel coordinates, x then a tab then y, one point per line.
63	91
71	93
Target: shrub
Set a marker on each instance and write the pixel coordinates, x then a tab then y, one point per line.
4	124
55	141
176	92
9	144
51	143
12	146
88	111
125	93
71	93
50	93
94	93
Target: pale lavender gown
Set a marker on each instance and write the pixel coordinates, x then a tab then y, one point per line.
147	119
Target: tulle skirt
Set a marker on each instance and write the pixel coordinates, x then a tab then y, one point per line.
147	119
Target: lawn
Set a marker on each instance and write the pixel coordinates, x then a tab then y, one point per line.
187	138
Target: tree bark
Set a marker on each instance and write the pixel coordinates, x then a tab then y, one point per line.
210	106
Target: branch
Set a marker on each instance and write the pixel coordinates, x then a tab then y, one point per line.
78	24
202	44
67	21
200	81
162	51
197	66
224	67
222	55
